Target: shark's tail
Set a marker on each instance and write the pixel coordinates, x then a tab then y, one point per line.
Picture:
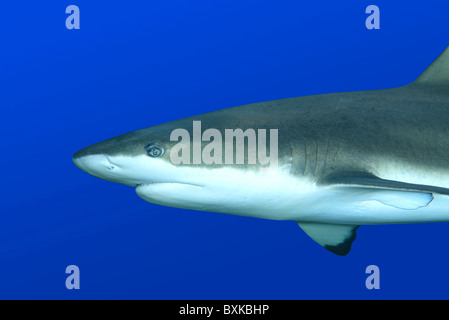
437	72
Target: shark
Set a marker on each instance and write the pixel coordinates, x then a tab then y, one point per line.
342	160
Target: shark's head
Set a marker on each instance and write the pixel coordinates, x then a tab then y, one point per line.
144	159
141	159
132	159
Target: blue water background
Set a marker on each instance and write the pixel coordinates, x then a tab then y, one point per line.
136	64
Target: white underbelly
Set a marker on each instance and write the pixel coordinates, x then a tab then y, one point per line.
280	196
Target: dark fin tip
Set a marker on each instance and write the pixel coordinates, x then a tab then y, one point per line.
343	248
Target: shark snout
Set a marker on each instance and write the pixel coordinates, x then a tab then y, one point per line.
96	165
122	169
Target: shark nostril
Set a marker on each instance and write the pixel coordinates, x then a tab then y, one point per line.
110	165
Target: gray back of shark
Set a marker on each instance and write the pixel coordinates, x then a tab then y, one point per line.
389	146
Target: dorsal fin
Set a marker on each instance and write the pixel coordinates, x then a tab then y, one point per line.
437	72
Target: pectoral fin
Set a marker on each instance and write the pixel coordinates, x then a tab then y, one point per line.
365	179
362	191
367	190
334	237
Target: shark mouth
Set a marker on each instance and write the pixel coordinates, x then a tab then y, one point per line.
140	185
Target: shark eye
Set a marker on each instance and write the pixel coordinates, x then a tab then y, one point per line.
154	150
